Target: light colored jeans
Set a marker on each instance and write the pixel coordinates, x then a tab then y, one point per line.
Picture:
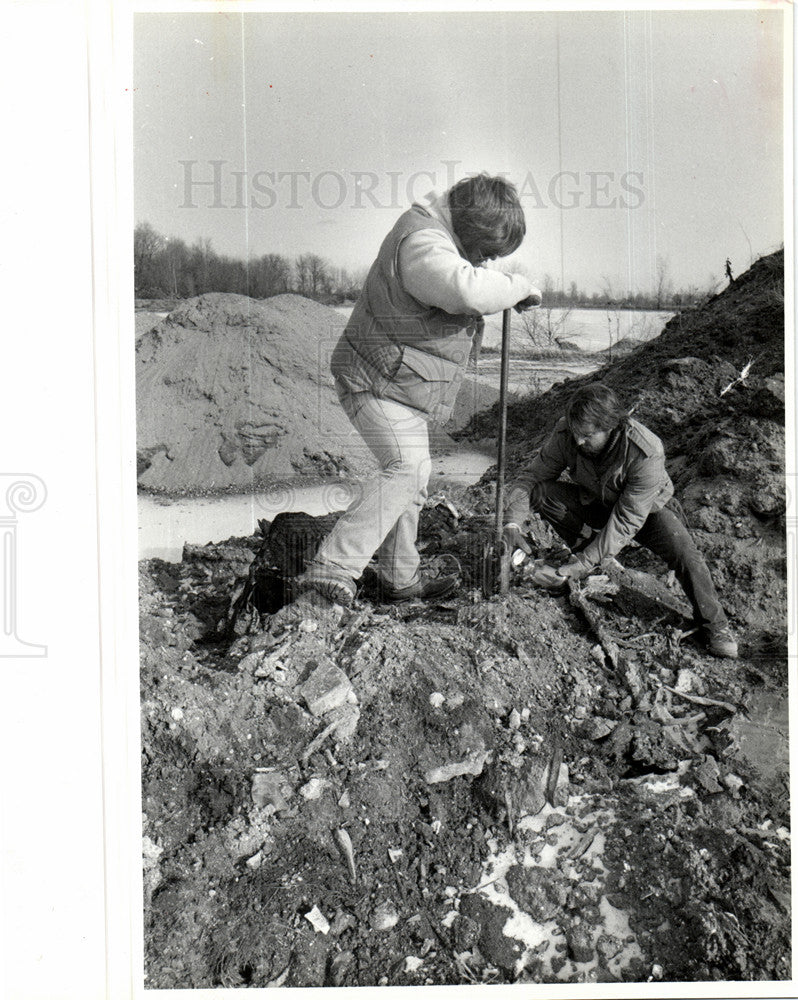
384	518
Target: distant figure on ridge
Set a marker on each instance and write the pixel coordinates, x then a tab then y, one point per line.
399	364
729	274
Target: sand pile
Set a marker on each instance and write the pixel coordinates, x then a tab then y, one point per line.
146	321
236	393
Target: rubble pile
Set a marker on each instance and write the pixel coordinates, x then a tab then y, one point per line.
535	788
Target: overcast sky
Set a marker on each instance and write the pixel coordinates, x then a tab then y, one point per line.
631	136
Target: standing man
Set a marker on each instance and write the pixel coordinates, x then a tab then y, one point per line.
399	364
621	490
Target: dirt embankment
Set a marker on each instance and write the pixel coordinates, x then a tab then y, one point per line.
535	788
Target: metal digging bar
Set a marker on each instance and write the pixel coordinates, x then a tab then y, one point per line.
502	552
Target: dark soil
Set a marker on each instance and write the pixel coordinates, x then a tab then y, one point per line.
534	788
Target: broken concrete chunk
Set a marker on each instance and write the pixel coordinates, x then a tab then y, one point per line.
151	852
687	681
270	788
385	916
599	588
473	764
596	728
733	782
347	717
318	921
314	789
327	688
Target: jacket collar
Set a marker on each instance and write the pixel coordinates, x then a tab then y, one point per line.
436	204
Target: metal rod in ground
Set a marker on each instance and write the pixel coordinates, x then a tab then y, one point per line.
504	562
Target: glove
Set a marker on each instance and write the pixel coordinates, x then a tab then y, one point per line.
532	301
514	539
573	570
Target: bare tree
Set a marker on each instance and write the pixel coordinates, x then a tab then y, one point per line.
269	275
664	287
147	245
313	274
546	326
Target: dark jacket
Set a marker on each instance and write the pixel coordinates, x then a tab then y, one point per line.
628	477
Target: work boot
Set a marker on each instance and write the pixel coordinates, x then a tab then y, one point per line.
720	642
334	588
426	588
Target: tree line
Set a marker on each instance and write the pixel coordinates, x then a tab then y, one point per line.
166	267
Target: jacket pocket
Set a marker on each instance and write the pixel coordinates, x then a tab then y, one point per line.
428	367
424	381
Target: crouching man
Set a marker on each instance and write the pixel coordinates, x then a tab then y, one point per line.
621	490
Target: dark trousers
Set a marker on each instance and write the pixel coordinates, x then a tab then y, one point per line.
663	532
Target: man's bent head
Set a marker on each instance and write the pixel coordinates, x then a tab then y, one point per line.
487	217
592	414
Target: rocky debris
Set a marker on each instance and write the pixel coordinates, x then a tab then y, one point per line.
327	688
270	788
631	817
538	891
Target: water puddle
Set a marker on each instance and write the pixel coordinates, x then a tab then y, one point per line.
761	736
165	525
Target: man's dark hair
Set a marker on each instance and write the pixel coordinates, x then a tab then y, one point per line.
487	216
595	405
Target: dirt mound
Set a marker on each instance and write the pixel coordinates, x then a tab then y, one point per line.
476	792
236	393
712	387
622	348
146	321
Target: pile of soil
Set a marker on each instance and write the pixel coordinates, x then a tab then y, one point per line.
146	321
233	393
531	788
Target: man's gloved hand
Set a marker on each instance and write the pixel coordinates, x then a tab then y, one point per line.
514	539
532	301
573	570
